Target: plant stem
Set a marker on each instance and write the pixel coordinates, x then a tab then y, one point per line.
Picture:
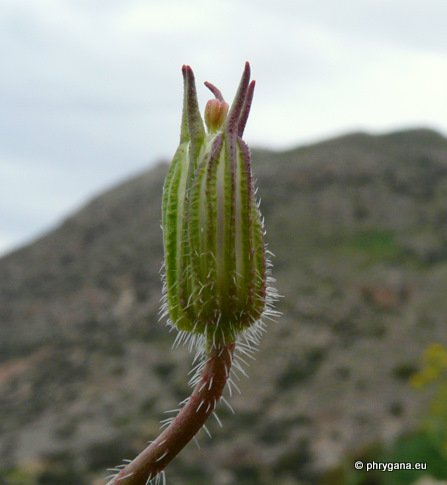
190	419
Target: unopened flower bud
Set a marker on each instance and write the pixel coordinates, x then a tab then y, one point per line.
215	114
215	264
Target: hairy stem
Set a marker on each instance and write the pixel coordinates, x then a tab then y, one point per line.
190	419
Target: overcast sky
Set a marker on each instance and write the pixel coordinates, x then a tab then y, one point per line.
90	90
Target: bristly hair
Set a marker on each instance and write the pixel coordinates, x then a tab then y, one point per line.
246	342
218	289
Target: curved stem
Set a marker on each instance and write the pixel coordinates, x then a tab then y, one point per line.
190	419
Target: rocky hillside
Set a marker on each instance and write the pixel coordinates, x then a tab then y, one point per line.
358	225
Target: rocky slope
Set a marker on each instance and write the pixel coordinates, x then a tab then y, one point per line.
358	225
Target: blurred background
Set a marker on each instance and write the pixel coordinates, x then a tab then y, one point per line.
347	132
91	90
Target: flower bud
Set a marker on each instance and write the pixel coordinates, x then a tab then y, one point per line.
215	114
215	264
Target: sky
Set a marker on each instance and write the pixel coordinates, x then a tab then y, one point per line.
91	90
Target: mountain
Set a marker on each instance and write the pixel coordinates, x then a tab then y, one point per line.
358	226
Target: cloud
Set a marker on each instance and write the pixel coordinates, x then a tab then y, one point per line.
91	90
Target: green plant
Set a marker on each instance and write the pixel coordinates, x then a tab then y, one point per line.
217	277
434	374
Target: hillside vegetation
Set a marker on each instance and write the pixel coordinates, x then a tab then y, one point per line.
358	226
